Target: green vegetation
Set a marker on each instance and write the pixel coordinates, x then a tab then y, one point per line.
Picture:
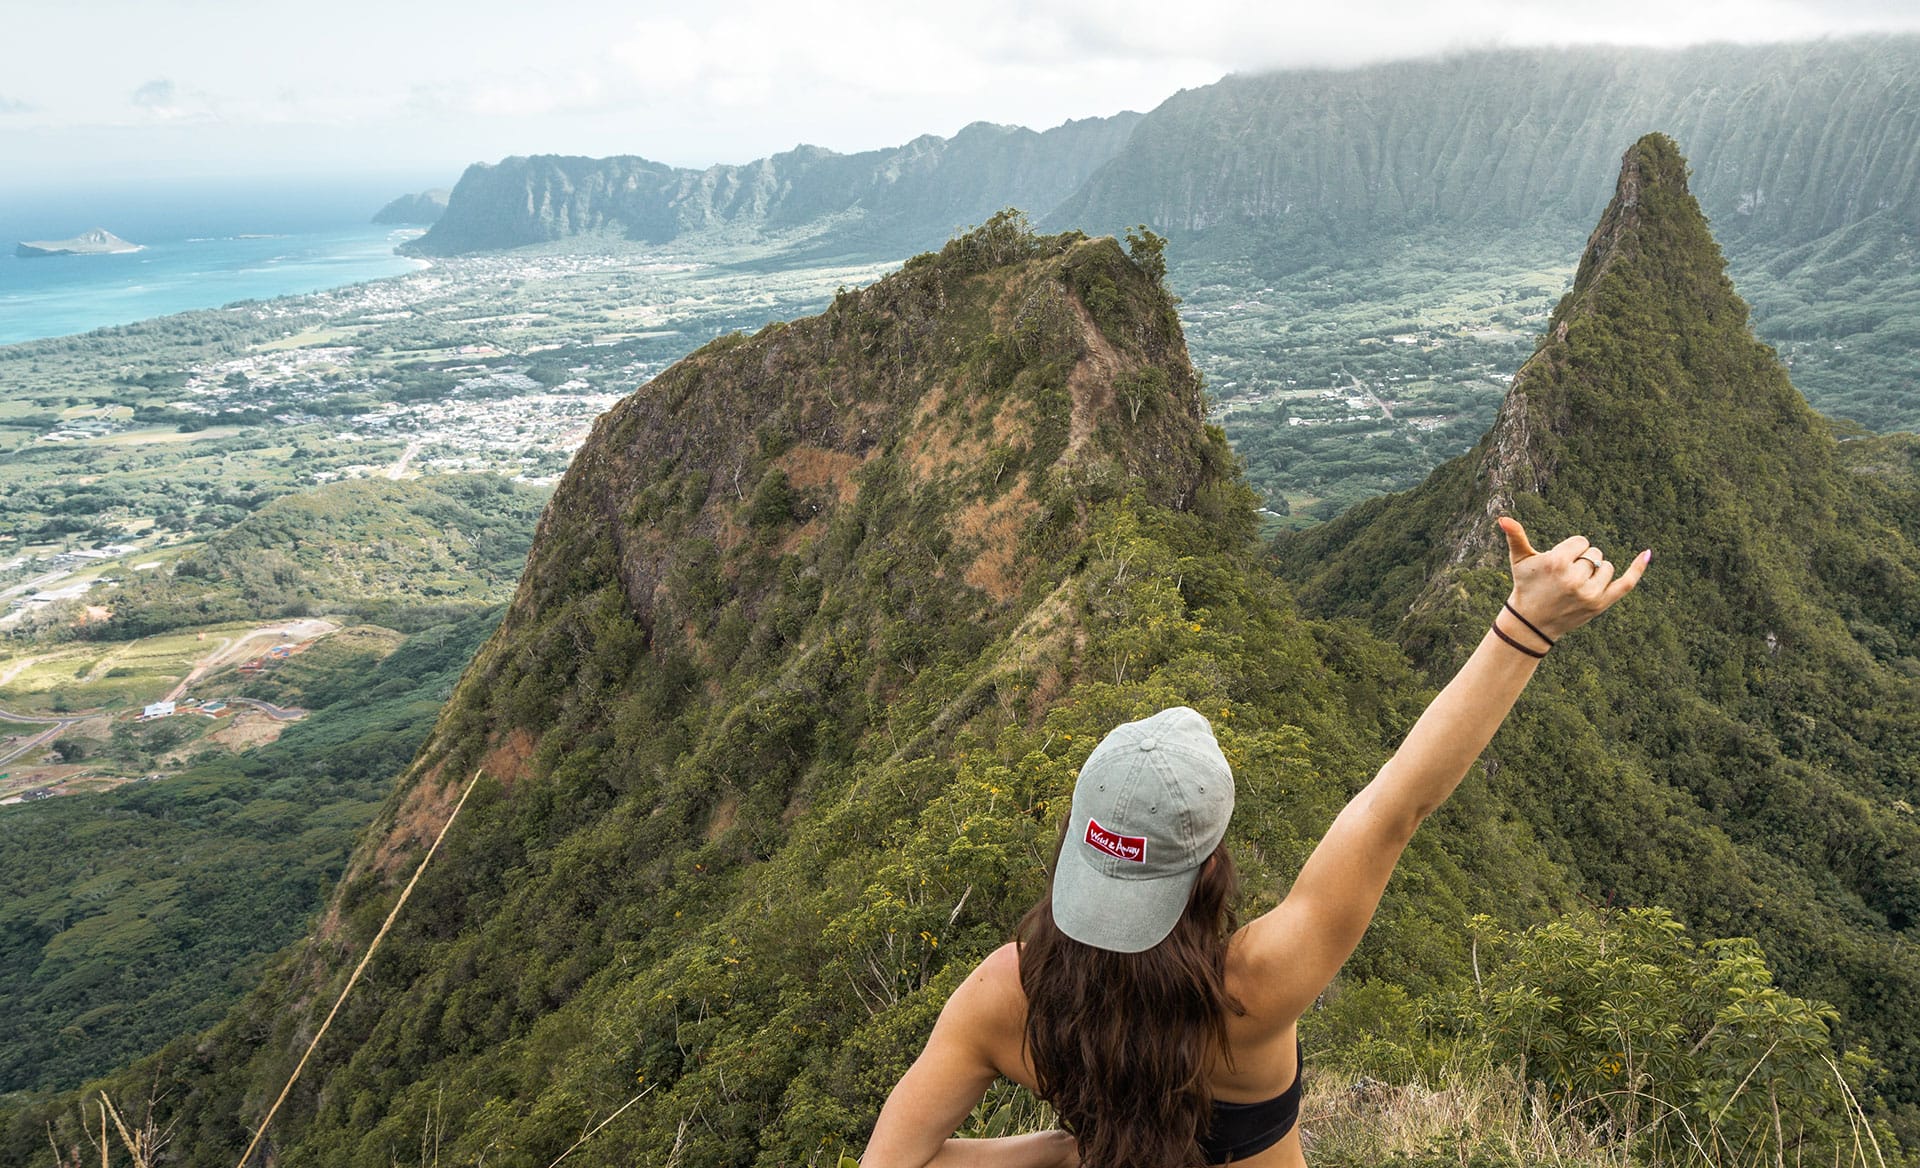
810	202
1395	232
1739	744
777	733
393	553
1596	1039
132	917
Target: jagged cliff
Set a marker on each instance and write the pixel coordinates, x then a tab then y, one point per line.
879	202
1793	143
1790	141
1742	727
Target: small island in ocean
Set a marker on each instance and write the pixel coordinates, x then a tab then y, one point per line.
99	241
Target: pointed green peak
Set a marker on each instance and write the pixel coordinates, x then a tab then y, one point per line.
1649	416
1648	389
1656	228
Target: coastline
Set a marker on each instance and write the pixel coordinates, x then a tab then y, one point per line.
42	300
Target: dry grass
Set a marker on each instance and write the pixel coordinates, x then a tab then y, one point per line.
1490	1118
809	467
1484	1117
507	761
994	529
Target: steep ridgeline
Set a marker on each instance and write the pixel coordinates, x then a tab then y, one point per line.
880	202
777	734
779	728
1741	739
1791	142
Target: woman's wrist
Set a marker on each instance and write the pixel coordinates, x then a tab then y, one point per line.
1513	628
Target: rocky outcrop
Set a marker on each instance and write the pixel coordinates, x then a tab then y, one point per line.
421	210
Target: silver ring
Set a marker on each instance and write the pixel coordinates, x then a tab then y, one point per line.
1595	558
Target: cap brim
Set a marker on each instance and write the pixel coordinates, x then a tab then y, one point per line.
1107	912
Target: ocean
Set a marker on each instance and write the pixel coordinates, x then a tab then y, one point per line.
207	244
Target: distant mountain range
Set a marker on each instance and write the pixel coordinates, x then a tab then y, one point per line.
821	623
1792	142
880	202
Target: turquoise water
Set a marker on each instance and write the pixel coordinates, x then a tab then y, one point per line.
206	246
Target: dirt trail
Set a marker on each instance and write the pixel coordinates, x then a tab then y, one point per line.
14	670
1091	382
299	630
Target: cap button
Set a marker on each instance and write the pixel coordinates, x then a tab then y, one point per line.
1149	742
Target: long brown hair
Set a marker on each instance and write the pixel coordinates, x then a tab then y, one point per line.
1121	1042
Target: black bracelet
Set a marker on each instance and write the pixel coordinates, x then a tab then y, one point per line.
1536	654
1530	625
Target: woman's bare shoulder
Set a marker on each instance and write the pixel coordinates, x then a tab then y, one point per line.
996	979
1259	972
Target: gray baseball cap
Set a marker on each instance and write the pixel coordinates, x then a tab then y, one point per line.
1151	804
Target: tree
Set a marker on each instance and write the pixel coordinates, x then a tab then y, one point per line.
1148	251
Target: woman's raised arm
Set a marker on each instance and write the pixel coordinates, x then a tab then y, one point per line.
1306	939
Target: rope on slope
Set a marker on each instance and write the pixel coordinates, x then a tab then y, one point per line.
357	970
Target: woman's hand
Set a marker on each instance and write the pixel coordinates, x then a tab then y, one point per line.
1560	589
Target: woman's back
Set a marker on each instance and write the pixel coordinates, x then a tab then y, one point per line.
991	1007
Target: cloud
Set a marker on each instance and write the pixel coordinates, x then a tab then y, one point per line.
162	100
9	106
527	94
157	95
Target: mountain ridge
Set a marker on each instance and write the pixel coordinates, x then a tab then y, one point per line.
772	747
901	199
1738	693
1526	136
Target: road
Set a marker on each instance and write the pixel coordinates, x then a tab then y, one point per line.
37	583
399	466
277	713
56	726
1371	396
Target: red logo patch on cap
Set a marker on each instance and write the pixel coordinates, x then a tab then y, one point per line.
1124	847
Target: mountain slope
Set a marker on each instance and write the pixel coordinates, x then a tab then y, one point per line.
1792	142
878	203
775	738
776	732
1740	743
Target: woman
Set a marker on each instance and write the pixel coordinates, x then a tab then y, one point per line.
1160	1034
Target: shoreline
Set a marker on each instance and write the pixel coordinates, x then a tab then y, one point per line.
92	293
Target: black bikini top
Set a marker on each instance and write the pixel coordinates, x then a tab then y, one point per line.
1246	1129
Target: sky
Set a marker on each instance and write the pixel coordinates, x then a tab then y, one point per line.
417	89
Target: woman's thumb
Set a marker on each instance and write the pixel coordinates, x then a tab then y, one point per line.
1517	546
